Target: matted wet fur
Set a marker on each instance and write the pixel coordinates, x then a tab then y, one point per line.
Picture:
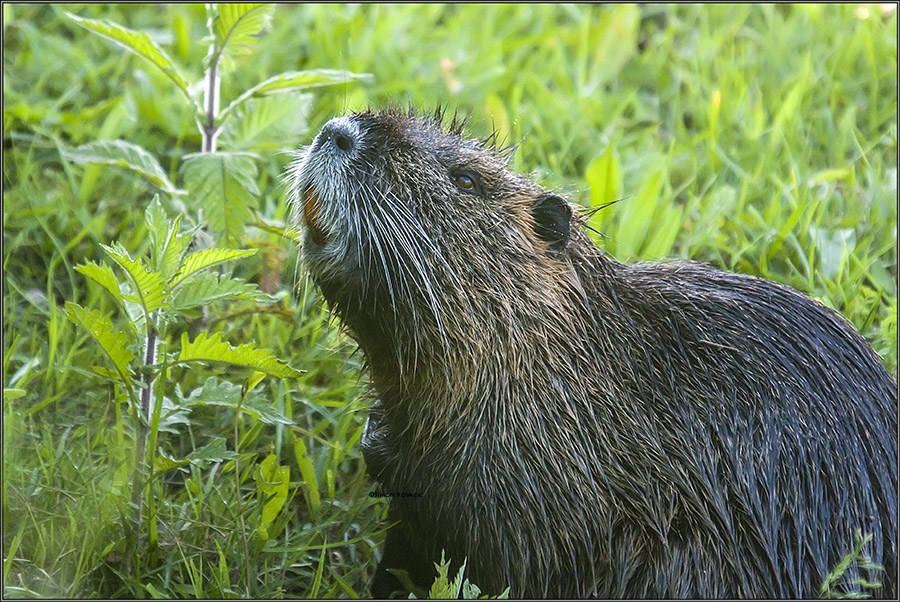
576	426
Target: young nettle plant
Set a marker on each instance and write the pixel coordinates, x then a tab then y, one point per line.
444	589
221	184
170	286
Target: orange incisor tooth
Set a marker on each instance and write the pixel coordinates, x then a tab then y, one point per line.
311	213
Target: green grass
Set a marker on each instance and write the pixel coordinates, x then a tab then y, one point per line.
761	139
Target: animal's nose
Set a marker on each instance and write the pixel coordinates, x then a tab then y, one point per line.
340	132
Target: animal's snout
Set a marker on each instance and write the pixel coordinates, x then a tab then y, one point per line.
340	135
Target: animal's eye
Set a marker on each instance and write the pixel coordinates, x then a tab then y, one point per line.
464	180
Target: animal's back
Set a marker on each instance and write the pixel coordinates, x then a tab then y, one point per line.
772	428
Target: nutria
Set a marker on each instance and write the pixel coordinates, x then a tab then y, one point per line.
576	426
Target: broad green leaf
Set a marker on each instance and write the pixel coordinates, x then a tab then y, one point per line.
201	260
253	379
155	593
604	176
103	275
124	154
294	80
137	42
498	118
665	230
167	245
614	40
237	26
636	216
165	463
223	184
13	394
272	483
208	288
833	247
214	451
173	415
173	251
149	285
228	395
272	122
308	472
214	349
112	342
158	228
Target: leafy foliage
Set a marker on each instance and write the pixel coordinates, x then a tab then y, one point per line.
113	343
293	81
137	42
213	349
223	184
236	26
124	154
176	283
861	561
459	588
691	92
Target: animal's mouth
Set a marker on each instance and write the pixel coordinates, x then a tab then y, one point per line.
311	207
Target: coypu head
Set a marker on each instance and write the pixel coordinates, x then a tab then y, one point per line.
421	239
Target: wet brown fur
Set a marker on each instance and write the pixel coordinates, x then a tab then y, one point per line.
580	427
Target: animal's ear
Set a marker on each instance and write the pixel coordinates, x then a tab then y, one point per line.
552	220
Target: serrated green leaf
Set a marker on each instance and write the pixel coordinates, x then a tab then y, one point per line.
137	42
253	379
440	589
214	451
103	275
149	285
272	483
167	245
208	287
228	395
272	122
196	262
237	26
294	80
165	463
224	185
157	226
173	415
174	250
214	349
100	328
123	154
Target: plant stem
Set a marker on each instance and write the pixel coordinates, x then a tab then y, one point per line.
143	419
149	360
237	480
210	129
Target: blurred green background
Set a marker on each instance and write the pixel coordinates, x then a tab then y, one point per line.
761	139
